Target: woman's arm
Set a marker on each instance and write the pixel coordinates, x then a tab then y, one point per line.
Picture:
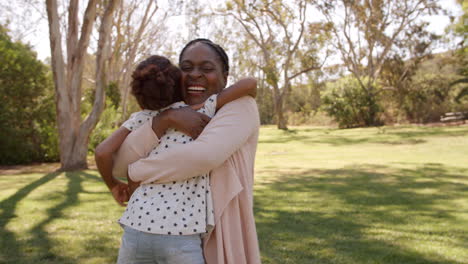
226	133
144	139
246	86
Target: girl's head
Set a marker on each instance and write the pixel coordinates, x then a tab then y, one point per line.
156	83
205	68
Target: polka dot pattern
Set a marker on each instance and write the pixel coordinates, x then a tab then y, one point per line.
176	208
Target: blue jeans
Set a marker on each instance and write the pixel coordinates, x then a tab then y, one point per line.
142	248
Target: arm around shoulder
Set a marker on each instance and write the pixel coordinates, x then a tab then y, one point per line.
227	132
243	87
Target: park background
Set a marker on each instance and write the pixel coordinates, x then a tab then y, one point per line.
353	166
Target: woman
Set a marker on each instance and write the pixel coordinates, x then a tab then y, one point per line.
226	147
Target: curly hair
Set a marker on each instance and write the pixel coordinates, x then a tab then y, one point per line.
156	83
215	47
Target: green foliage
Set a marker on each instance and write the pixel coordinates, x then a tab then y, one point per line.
463	92
265	105
349	104
418	90
107	124
428	98
303	101
367	33
110	118
461	29
460	26
113	94
27	111
305	98
422	89
463	80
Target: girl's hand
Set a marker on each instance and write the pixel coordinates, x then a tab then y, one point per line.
132	186
120	193
253	92
186	120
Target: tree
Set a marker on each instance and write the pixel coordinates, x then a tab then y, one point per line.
304	101
73	132
245	62
460	29
288	44
136	32
27	111
367	32
429	94
396	75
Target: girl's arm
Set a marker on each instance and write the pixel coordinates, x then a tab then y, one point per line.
104	161
244	87
105	157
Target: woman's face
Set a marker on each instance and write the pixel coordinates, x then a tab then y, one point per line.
202	73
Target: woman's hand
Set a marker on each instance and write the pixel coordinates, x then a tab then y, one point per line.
197	106
184	119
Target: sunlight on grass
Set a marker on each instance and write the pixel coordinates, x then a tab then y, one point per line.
59	218
386	195
374	195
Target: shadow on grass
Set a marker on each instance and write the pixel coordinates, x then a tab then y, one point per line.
325	216
40	247
390	136
41	238
9	243
91	177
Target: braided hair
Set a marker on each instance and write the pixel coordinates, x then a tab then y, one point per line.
156	83
215	47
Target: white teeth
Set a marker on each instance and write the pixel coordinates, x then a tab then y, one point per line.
196	88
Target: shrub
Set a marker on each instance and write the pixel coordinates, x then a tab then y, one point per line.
27	110
349	104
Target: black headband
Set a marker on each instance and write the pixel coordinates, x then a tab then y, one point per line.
217	48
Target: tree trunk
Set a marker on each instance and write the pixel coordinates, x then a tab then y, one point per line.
281	121
74	134
124	104
76	156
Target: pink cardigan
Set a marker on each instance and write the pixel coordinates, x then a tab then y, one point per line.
227	148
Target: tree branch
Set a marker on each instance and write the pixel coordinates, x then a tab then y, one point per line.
102	57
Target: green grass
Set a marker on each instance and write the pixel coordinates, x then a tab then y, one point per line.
376	195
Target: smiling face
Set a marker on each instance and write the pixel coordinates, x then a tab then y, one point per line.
202	73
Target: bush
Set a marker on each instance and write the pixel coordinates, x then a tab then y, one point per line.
430	96
349	104
108	122
27	111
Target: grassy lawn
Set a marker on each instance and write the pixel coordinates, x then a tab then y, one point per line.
377	195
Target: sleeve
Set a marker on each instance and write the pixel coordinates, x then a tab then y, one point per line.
136	120
210	105
227	132
137	145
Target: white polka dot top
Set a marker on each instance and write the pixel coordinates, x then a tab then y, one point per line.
176	208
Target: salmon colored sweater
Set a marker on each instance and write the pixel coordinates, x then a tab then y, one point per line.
227	148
